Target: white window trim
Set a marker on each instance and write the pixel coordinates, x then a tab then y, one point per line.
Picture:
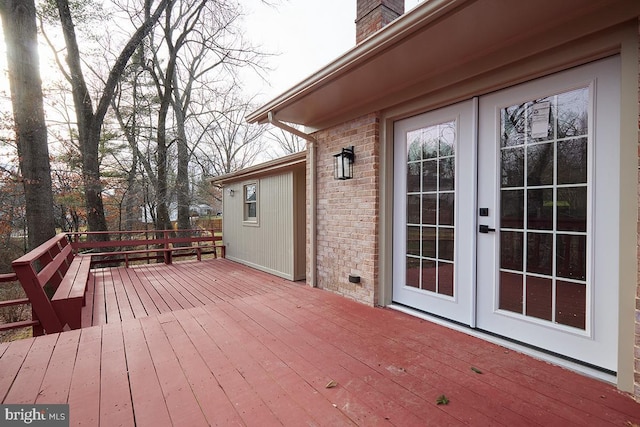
250	221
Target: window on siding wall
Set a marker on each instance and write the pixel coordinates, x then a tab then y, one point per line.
250	192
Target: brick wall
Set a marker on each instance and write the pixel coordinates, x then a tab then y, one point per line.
372	15
347	211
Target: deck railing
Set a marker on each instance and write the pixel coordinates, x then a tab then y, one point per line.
147	245
6	280
122	247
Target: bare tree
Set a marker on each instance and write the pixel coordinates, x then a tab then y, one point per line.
285	142
20	33
229	142
201	46
90	121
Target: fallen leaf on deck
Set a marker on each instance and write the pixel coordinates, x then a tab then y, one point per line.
476	370
331	384
442	400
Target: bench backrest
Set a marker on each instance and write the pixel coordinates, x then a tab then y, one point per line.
44	265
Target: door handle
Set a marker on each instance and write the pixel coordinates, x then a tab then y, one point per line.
486	229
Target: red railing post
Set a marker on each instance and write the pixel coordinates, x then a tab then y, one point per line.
167	252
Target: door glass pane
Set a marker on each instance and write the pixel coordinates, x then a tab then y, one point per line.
540	165
539	253
512	209
539	299
540	209
413	272
571	256
429	237
572	209
445	244
431	170
413	240
430	175
429	208
512	126
512	250
430	142
447	174
571	300
573	119
544	175
413	177
510	292
413	209
512	169
446	212
414	146
445	278
429	272
572	161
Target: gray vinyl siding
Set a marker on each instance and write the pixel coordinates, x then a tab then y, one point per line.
270	243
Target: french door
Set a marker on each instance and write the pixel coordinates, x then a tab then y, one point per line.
525	243
434	234
548	159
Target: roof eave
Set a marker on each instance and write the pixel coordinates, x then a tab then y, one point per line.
277	165
420	16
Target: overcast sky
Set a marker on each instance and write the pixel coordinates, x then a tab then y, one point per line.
306	34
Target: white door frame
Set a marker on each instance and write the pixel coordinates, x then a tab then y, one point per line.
460	307
598	343
609	327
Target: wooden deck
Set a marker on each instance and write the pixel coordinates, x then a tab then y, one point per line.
119	294
217	343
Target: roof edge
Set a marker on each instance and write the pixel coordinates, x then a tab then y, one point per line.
418	17
281	163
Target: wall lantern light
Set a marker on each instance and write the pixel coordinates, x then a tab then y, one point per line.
343	163
230	192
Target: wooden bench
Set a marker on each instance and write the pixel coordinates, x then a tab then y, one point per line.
52	267
70	296
55	277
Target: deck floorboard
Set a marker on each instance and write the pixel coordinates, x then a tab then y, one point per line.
218	343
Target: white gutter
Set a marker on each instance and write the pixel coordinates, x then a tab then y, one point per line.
311	168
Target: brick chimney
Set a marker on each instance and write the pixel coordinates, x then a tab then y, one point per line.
372	15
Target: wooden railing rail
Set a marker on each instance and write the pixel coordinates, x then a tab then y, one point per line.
164	245
11	278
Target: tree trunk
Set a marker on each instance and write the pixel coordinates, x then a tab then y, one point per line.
20	34
90	122
182	177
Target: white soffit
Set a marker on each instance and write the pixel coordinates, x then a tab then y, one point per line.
428	43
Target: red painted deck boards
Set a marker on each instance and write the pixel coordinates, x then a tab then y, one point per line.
57	379
99	316
217	343
84	392
115	399
26	385
10	363
180	400
124	305
148	402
